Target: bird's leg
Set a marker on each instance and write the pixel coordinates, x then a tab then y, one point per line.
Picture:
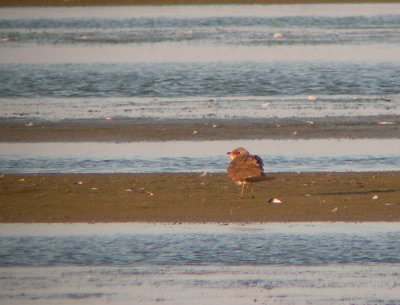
252	191
241	194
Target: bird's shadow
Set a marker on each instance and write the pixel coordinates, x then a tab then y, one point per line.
360	192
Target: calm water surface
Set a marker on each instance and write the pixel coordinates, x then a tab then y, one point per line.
191	156
121	263
142	245
200	61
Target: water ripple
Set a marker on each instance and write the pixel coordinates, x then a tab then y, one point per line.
201	249
222	30
199	79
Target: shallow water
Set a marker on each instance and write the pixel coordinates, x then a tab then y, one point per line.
250	245
222	25
200	61
190	156
271	107
330	284
308	263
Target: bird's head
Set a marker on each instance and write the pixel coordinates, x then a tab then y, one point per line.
240	151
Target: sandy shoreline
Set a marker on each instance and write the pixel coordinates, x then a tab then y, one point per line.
189	197
129	130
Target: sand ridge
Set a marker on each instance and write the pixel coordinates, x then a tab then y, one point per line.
127	130
196	198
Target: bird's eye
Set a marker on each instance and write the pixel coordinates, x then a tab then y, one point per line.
238	152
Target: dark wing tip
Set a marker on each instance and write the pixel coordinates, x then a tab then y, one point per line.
259	161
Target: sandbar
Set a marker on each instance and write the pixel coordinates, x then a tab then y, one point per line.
197	198
146	129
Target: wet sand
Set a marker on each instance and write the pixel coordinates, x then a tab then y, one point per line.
194	198
125	130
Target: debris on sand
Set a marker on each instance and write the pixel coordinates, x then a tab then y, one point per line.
143	191
275	201
385	123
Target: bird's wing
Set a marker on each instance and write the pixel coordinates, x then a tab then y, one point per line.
245	168
259	161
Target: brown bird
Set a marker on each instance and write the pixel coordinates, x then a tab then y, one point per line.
245	168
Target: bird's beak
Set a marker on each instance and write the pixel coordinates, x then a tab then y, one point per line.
228	153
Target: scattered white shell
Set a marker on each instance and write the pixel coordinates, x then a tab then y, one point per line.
294	133
80	182
275	201
375	197
278	36
203	174
94	188
21	180
312	98
128	190
309	122
108	118
334	210
215	126
195	132
386	123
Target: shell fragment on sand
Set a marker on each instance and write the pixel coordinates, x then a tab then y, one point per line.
275	201
386	123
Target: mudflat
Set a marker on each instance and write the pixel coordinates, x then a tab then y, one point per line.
193	197
125	129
